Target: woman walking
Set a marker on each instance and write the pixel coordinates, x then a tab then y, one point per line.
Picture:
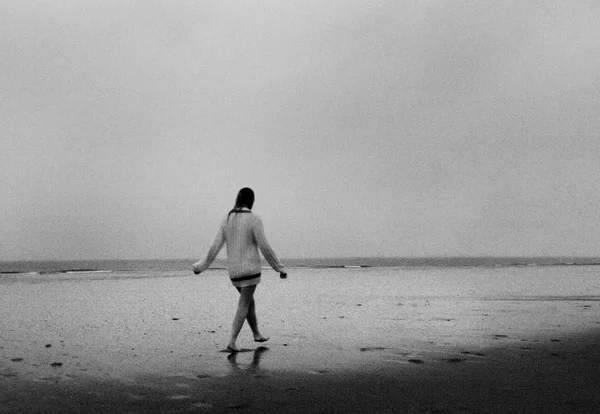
242	231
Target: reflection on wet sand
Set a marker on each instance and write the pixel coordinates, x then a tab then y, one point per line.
253	367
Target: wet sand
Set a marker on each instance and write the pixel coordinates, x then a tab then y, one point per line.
342	340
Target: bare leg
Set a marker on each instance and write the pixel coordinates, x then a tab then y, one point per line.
253	321
246	299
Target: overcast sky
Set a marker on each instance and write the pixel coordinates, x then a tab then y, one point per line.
366	128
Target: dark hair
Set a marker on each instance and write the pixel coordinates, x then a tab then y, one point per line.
245	198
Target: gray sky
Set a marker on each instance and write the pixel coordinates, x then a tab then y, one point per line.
366	128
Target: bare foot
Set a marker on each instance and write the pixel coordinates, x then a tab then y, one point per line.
233	347
260	338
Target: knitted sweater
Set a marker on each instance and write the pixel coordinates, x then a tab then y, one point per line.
243	233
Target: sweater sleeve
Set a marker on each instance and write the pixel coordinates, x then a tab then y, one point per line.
214	250
265	248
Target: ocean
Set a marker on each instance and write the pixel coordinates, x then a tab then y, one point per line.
179	265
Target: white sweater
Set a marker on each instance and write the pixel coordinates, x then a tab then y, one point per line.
243	233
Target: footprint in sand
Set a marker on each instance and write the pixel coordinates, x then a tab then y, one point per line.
179	397
473	353
203	405
318	371
292	388
136	397
51	378
239	406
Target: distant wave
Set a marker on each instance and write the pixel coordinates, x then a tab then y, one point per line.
184	265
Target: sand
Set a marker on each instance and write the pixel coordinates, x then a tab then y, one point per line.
510	339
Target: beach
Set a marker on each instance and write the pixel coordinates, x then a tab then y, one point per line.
380	339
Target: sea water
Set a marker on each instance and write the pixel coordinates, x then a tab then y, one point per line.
170	265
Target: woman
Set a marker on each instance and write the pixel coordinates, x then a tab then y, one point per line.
242	231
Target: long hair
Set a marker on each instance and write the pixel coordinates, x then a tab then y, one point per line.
245	198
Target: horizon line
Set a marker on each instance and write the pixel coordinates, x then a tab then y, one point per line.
324	258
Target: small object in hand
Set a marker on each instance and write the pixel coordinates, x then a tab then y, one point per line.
283	275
